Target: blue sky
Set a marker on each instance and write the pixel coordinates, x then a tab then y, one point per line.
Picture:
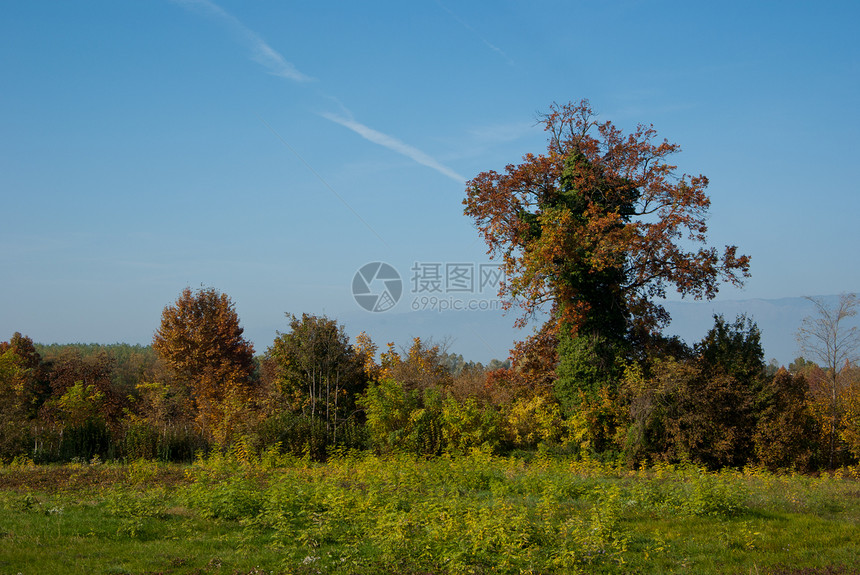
271	149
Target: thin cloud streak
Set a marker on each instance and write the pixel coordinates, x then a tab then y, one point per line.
262	53
277	65
395	145
486	42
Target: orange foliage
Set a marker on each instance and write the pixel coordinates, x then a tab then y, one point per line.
599	202
201	342
532	371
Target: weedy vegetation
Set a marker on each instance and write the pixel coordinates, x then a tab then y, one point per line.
242	512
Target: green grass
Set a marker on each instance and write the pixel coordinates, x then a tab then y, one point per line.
468	514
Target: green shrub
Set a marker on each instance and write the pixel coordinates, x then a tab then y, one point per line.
531	421
387	409
304	436
225	486
85	440
141	441
135	508
466	425
715	495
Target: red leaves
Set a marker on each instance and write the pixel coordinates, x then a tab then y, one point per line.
599	200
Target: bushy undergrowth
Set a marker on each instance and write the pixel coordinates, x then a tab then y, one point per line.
473	513
465	514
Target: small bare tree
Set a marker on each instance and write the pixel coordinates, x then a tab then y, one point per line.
827	339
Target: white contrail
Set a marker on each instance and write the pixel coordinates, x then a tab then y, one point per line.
277	65
486	42
394	145
263	54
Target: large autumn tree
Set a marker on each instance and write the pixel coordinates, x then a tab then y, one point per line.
200	339
600	227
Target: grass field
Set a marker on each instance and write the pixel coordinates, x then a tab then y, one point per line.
242	514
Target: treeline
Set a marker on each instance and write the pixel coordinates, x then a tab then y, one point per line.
715	404
200	387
